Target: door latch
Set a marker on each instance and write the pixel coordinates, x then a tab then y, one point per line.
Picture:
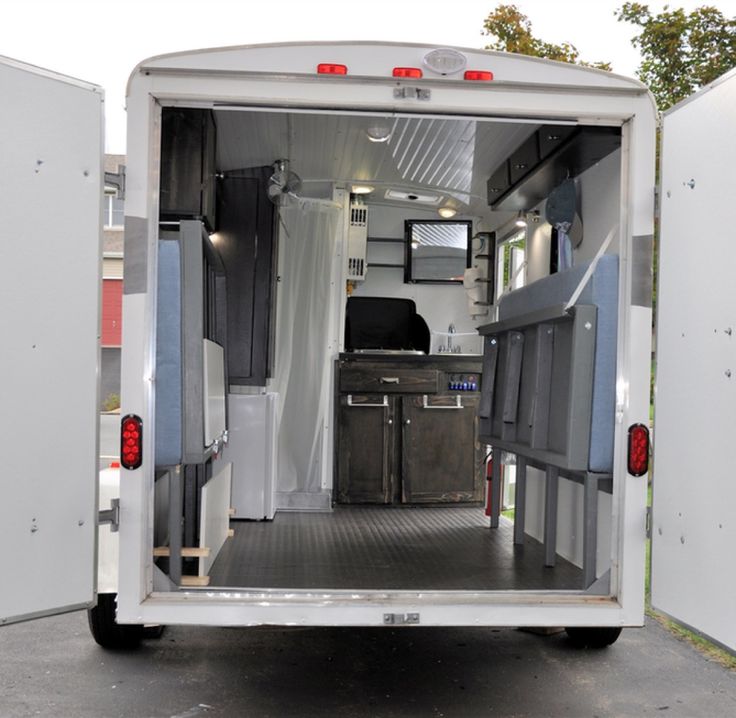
111	516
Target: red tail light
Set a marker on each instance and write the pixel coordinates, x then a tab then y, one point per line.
331	68
413	72
478	75
131	441
638	450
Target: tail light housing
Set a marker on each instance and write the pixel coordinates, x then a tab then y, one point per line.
131	441
478	75
407	72
638	463
331	68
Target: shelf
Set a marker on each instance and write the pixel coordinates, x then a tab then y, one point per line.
386	266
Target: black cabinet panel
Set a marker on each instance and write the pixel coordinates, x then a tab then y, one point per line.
523	160
247	245
188	140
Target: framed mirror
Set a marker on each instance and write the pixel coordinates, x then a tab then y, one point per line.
437	251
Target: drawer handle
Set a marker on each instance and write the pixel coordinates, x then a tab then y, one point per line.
361	404
389	380
457	405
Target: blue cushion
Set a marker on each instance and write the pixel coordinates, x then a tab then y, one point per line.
602	292
168	449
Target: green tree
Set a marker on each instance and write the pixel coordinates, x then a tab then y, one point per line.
680	52
512	31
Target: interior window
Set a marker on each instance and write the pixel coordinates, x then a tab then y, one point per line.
511	263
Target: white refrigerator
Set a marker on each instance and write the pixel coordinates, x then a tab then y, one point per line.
251	449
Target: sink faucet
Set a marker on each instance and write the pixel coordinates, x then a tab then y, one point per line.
450	332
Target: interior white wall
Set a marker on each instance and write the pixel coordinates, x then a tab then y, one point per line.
599	197
538	239
439	304
599	191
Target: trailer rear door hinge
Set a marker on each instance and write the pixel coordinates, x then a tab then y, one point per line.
111	516
400	619
412	93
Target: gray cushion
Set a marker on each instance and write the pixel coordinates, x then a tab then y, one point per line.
602	292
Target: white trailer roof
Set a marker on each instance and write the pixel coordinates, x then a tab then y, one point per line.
377	59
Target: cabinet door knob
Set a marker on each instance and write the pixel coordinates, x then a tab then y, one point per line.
390	421
408	421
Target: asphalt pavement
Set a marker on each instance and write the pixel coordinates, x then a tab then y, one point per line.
51	667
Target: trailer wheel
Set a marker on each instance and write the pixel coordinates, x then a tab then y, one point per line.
105	629
593	637
153	632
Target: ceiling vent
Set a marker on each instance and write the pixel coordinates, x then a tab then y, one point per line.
415	197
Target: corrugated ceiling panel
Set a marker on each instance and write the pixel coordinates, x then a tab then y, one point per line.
451	156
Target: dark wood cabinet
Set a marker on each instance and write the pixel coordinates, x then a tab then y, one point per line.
416	442
366	459
439	458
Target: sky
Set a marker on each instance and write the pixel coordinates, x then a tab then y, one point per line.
103	40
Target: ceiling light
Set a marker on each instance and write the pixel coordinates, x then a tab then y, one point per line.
446	212
378	133
520	220
362	189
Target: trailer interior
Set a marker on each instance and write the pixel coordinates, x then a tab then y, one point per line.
352	309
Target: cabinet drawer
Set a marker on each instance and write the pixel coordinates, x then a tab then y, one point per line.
389	381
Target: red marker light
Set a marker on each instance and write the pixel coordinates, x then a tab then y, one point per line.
478	75
131	441
331	68
638	450
411	72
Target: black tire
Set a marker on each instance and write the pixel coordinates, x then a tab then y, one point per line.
105	629
593	637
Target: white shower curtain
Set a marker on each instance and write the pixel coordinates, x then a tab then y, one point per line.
308	307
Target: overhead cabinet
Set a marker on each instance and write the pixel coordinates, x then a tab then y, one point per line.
547	157
188	141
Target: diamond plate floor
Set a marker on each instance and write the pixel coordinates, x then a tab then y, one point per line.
441	548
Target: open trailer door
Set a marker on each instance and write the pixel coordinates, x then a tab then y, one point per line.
694	517
50	217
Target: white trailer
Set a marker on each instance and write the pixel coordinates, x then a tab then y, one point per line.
245	234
